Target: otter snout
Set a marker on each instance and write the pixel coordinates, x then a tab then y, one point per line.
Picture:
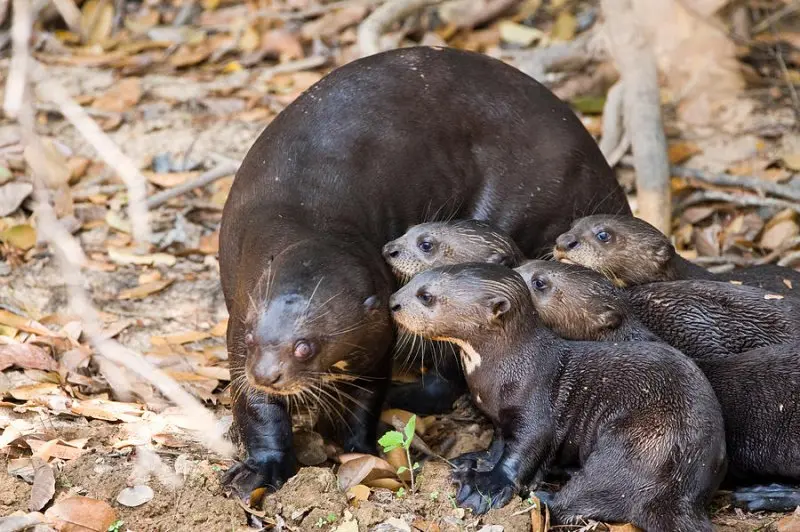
267	370
391	251
567	242
394	304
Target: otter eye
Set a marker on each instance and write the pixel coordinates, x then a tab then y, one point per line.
426	298
303	350
426	246
603	236
539	283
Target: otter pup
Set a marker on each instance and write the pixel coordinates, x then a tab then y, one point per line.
428	245
759	390
649	453
630	251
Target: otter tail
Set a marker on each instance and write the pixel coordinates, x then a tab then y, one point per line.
772	498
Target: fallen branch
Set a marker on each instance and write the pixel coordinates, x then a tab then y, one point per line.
307	63
744	200
70	257
371	29
636	62
756	184
202	180
106	149
493	10
613	126
20	59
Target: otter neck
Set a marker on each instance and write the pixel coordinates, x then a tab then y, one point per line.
678	268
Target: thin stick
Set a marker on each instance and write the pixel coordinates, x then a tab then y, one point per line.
202	180
106	149
745	200
750	182
371	29
20	59
70	13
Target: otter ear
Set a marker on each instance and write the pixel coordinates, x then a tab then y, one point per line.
372	303
664	252
498	306
500	258
610	318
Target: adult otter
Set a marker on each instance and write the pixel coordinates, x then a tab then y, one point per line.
759	390
630	251
651	454
378	145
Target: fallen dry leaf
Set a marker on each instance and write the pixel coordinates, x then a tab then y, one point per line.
788	283
144	290
54	448
384	483
26	356
127	256
623	528
214	372
220	329
81	514
180	338
46	160
514	33
170	179
108	410
393	415
792	161
781	228
772	296
120	97
564	27
358	469
135	496
97	20
680	151
351	526
359	492
31	391
44	486
209	244
12	195
21	236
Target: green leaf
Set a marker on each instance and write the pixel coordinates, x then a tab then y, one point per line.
409	430
391	440
401	492
415	466
402	469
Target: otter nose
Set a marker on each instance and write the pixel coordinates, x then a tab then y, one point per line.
394	305
390	251
566	242
267	372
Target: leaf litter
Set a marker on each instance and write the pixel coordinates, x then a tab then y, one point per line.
208	84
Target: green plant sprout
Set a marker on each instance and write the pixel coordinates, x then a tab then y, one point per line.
396	440
116	526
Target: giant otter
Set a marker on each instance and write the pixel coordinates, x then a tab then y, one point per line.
759	390
630	251
378	145
648	453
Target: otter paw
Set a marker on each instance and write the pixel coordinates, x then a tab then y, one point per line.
270	470
482	491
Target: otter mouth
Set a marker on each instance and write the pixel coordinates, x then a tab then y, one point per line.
294	388
565	260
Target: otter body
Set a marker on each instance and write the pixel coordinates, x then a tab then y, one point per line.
759	390
639	418
377	146
630	251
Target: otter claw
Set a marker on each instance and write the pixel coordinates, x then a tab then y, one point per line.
483	491
270	472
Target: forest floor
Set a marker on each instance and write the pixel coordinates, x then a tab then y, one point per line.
181	99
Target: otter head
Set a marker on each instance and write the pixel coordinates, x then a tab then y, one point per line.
574	302
434	244
627	250
309	322
463	304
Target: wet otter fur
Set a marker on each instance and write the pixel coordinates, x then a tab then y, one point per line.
639	418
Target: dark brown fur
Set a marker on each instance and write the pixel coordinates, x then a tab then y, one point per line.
639	418
759	390
638	253
378	145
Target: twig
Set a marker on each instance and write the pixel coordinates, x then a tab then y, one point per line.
636	62
613	127
106	149
493	10
288	67
202	180
787	78
744	200
314	11
750	182
70	13
20	59
768	21
371	29
70	257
